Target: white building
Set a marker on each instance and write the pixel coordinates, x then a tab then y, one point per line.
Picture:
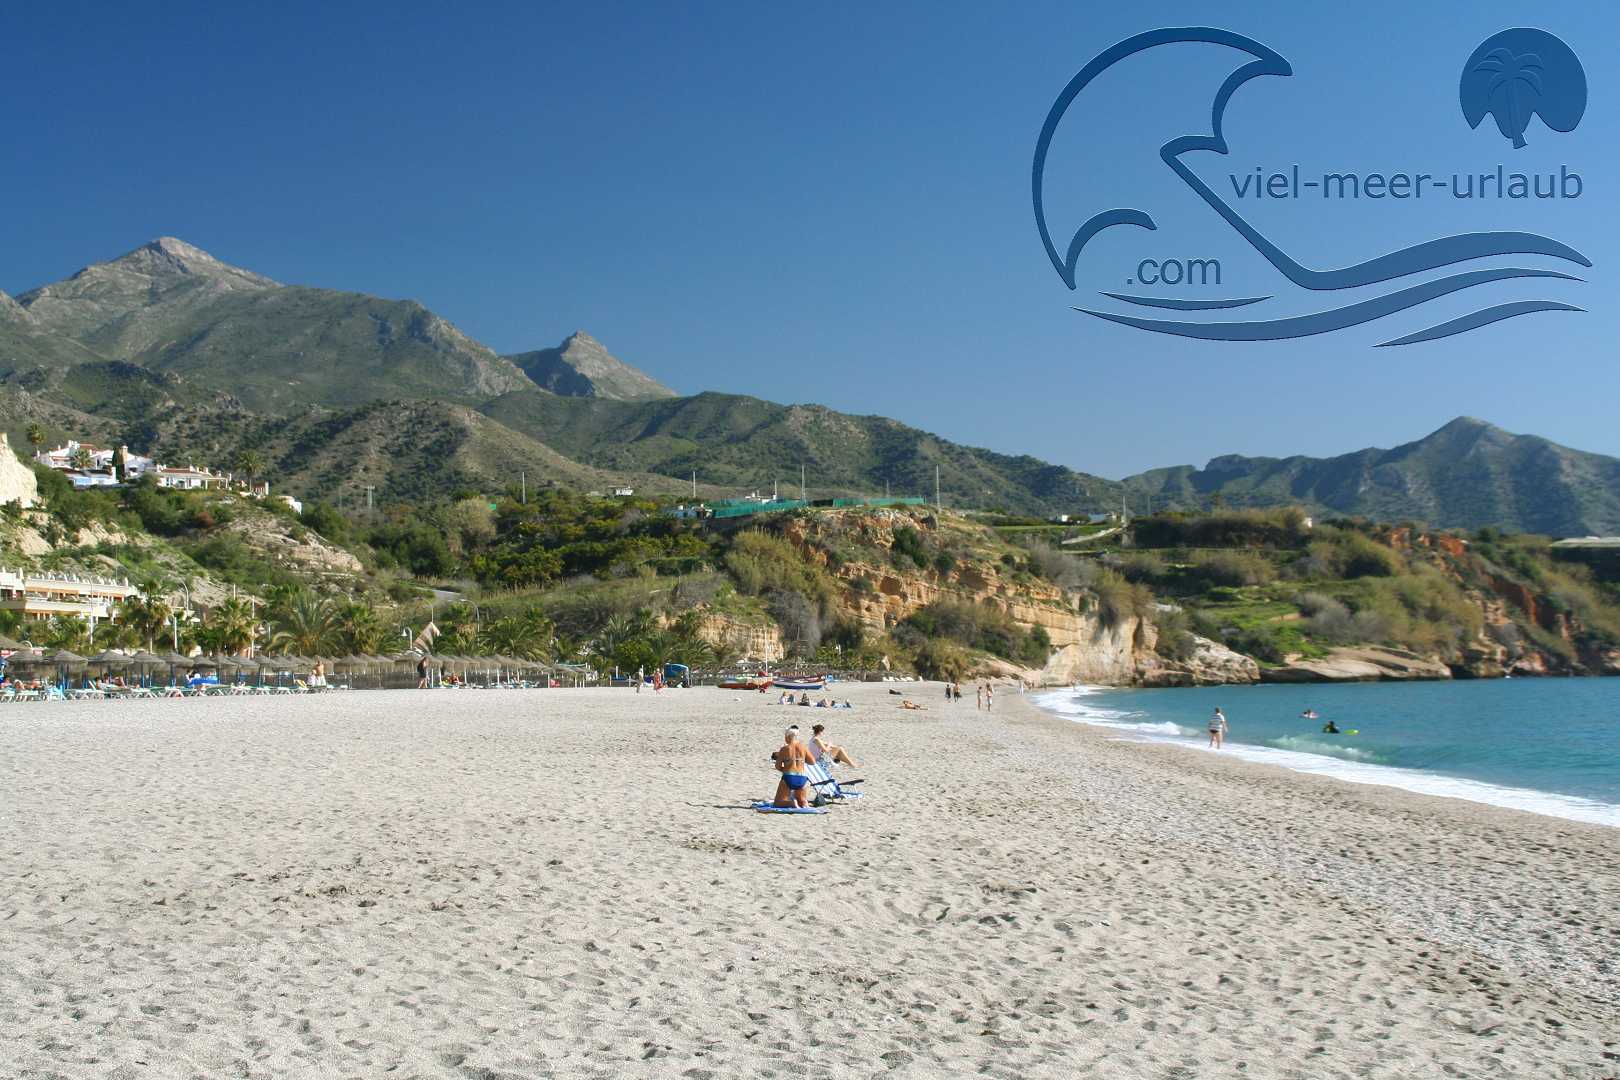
191	478
101	459
40	595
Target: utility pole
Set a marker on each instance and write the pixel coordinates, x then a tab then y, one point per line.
523	487
370	505
1124	509
694	485
937	504
801	483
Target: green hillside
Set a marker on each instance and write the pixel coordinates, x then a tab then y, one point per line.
174	351
1469	474
742	442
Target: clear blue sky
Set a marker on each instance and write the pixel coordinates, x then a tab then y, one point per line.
825	204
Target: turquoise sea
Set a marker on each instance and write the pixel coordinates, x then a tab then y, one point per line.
1551	746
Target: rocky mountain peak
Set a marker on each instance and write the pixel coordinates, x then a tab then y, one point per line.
582	367
11	310
168	256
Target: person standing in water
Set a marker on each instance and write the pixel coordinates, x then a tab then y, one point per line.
1217	729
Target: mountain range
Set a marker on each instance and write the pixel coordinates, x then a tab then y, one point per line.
178	353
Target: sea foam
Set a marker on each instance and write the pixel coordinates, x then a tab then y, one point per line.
1304	754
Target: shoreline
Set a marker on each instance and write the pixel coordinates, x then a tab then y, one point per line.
570	884
1541	802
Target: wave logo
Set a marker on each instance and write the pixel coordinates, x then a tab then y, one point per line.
1513	76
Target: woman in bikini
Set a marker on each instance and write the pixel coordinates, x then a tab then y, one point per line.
794	787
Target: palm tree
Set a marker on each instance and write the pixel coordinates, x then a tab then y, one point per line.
231	625
307	625
147	615
81	459
36	436
111	635
523	636
357	627
68	632
249	463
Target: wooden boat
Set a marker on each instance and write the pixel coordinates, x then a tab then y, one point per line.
746	682
801	682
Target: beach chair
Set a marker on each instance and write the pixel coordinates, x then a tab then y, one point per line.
828	787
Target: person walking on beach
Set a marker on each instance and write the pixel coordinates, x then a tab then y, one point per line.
1217	729
421	673
641	677
978	697
989	696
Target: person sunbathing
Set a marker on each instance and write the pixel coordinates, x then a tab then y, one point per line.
790	760
825	751
912	705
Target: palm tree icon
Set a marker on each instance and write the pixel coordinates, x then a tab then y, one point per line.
1520	74
1511	103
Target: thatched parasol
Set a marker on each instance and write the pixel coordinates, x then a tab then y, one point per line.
110	658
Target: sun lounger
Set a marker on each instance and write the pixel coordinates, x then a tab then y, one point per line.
827	786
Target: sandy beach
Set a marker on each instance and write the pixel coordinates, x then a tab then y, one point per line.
517	884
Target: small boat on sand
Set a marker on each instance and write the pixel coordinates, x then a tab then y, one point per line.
800	682
746	682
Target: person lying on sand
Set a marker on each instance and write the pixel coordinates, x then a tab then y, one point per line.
790	760
912	705
826	751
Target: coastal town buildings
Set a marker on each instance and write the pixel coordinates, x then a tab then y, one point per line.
87	465
43	595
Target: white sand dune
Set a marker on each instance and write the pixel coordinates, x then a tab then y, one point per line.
517	884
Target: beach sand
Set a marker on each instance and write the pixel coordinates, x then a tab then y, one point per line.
516	884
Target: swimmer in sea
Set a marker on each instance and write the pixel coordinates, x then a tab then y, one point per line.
1330	728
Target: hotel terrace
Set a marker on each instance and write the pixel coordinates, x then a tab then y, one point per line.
42	595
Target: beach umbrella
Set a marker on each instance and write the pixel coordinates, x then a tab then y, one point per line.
146	659
245	663
64	658
109	658
8	643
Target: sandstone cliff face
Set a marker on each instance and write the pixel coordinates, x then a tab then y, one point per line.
17	481
1085	648
1360	664
760	642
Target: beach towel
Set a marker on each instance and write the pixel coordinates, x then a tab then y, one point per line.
772	808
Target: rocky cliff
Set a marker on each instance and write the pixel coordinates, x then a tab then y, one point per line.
17	481
856	548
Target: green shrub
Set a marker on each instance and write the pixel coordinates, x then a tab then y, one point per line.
908	547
